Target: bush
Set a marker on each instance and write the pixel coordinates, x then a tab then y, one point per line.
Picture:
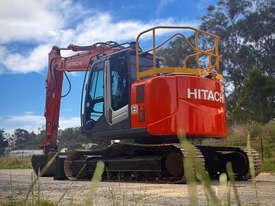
15	163
268	165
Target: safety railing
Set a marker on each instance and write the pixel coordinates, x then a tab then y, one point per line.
211	53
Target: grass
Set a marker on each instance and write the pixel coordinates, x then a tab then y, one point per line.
33	203
268	165
97	177
194	174
196	169
34	187
15	163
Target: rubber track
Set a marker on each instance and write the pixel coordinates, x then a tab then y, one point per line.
199	158
256	160
127	175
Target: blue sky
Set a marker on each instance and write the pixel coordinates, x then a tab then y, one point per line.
29	28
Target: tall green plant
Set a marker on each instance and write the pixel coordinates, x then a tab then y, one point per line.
252	167
97	177
194	169
190	171
40	173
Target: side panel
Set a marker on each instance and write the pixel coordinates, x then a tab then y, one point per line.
194	105
201	107
161	106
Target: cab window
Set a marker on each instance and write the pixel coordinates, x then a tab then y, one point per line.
95	98
119	83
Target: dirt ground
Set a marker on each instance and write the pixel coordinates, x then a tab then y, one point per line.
15	184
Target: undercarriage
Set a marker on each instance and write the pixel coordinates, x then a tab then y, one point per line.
139	162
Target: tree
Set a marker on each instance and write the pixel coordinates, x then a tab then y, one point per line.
246	29
257	98
174	54
28	140
71	138
3	142
22	137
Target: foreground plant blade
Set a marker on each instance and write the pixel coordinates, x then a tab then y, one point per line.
224	190
232	181
97	177
195	166
203	176
252	167
45	168
190	171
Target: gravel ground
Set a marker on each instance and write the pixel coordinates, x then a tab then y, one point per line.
15	184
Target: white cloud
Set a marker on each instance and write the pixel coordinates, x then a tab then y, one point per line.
35	61
27	20
69	122
2	53
33	122
36	20
95	29
47	23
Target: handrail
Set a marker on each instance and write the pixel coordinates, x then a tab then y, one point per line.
212	52
167	40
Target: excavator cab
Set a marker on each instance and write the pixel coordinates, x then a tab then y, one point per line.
106	109
107	94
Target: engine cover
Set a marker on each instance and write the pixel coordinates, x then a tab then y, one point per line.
167	105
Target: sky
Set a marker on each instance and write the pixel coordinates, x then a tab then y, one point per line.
30	28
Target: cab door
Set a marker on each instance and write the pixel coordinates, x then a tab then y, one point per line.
106	106
117	90
94	99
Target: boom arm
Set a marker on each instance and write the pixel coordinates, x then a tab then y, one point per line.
57	66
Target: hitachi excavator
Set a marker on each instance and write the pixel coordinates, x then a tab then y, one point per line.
131	96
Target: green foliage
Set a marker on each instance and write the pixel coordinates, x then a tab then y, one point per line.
23	203
251	163
190	170
97	177
257	98
268	135
23	139
246	44
268	165
3	142
35	180
71	138
174	54
247	50
262	137
28	140
194	170
245	28
230	173
15	163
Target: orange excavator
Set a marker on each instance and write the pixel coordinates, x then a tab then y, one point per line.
131	96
